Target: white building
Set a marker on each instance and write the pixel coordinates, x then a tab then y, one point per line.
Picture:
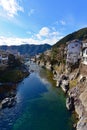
3	59
84	53
74	51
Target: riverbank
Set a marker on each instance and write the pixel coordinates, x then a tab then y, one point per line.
74	84
13	75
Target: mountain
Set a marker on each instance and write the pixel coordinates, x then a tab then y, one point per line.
27	49
80	34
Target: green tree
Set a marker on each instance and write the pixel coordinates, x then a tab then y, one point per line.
11	60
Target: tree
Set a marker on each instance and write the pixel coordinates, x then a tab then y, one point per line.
11	60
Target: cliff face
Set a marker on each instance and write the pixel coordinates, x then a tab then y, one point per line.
79	93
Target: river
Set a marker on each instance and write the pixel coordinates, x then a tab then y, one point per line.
40	105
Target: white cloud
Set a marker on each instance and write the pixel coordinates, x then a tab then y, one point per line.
48	33
31	12
11	7
45	35
44	32
62	22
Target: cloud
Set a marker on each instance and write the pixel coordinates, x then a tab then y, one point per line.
62	22
11	7
44	32
31	12
48	33
45	35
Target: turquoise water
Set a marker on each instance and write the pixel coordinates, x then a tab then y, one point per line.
40	106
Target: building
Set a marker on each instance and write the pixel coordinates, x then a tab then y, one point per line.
84	53
3	57
73	51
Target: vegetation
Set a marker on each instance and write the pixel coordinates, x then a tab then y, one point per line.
80	34
14	72
13	62
12	75
73	83
27	49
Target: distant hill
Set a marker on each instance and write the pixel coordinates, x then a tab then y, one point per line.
27	49
80	34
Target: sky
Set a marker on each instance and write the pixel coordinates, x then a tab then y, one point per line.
40	21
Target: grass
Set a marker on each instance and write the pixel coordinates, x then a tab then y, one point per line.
73	83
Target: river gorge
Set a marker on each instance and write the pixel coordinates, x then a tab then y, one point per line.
39	105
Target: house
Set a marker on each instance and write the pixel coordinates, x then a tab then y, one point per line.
73	51
84	53
3	57
0	58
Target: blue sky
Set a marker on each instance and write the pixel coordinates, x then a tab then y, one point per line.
40	21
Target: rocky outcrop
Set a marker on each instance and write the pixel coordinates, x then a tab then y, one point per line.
8	102
65	85
70	103
79	94
82	123
62	81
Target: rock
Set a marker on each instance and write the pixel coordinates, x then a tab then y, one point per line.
65	85
82	78
5	102
70	103
79	108
82	124
58	83
8	102
74	125
83	98
74	92
48	66
64	77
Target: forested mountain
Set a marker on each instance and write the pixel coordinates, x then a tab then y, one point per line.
80	34
27	49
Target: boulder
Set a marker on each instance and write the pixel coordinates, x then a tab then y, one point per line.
58	83
70	103
65	85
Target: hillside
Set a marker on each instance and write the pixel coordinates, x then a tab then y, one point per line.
57	50
27	49
80	34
